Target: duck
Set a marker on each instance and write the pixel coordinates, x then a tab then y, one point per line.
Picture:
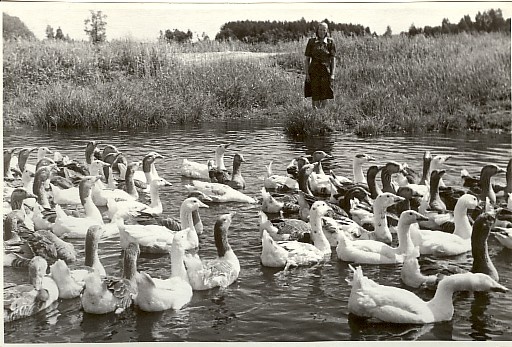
174	293
134	208
195	170
376	252
357	167
371	300
103	295
76	227
440	243
157	238
219	192
221	271
377	218
272	181
21	301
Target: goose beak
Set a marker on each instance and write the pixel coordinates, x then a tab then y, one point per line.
30	195
370	158
167	183
421	218
397	199
202	204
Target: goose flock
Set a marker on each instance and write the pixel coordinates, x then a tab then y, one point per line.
304	215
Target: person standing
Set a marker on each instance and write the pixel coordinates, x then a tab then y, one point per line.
320	67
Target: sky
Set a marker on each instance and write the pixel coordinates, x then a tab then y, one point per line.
143	21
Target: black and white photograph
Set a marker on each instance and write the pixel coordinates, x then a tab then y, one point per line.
263	172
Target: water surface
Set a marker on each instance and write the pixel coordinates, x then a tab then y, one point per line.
307	304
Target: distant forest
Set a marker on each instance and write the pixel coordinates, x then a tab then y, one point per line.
279	31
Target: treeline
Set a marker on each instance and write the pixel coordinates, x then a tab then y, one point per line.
278	31
489	21
13	28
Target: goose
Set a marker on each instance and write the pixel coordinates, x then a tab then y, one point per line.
504	236
411	275
285	229
173	293
111	294
101	193
149	172
76	227
9	164
25	300
35	243
69	196
219	192
221	271
197	170
114	159
440	243
237	180
319	182
357	167
134	208
388	185
278	182
42	181
376	252
483	185
158	238
41	154
27	180
369	299
378	218
371	175
91	149
295	165
294	253
269	204
17	200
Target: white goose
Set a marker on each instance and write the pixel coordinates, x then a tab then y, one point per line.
158	238
376	252
101	193
440	243
197	170
219	192
134	208
221	271
76	227
396	305
173	293
294	253
378	217
278	182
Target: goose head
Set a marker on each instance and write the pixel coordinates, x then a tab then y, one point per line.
23	156
385	200
85	186
435	177
393	167
318	156
109	149
475	282
96	167
192	204
238	158
408	193
160	182
148	160
363	158
36	271
90	149
438	161
409	217
469	201
17	197
42	152
220	233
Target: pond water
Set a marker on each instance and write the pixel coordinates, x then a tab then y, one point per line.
306	304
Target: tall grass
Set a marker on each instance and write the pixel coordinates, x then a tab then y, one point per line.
449	83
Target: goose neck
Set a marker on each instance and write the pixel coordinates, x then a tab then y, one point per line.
220	234
405	244
386	180
318	236
177	265
358	172
441	304
187	222
154	195
463	227
381	223
219	161
38	189
129	265
236	167
481	260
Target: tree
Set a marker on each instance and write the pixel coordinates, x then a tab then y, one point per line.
13	28
95	27
388	32
50	35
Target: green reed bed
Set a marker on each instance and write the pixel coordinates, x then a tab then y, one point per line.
398	84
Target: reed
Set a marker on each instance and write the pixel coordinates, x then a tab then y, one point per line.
398	84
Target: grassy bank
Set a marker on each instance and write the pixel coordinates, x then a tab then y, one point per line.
382	85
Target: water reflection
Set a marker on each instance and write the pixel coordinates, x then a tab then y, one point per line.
480	321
